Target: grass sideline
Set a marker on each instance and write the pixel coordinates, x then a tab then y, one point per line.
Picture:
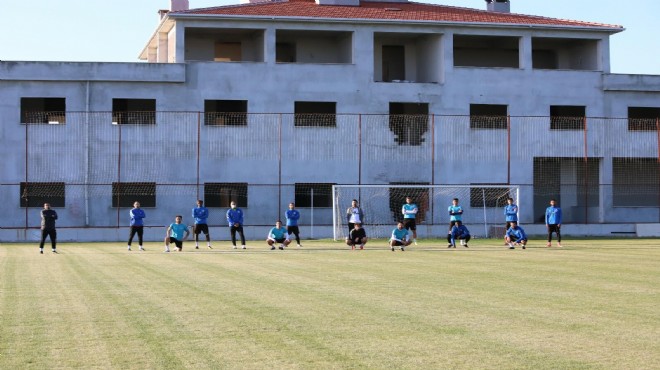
590	305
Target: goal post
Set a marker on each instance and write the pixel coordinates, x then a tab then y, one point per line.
483	207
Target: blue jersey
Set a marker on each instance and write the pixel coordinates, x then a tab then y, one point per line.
455	213
276	233
518	233
409	210
399	234
459	232
511	212
200	214
553	216
177	231
234	216
292	217
137	215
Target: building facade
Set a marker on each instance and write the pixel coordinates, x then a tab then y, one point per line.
266	101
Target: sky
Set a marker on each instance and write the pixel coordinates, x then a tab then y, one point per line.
118	30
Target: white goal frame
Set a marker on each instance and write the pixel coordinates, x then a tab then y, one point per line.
439	198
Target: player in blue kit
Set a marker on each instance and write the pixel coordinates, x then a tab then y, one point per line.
515	235
200	215
510	213
460	232
400	237
177	232
409	211
553	222
137	225
235	221
455	215
278	234
292	217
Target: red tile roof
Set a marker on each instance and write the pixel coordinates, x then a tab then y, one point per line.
408	11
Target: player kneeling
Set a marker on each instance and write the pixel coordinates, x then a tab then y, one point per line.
278	234
515	236
175	234
460	232
357	237
400	237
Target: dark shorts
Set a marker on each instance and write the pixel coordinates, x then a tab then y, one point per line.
513	239
451	224
292	230
396	243
409	224
136	230
201	228
354	241
177	242
553	228
278	240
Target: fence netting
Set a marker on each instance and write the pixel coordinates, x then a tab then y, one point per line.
94	166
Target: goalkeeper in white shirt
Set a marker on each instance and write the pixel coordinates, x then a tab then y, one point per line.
354	215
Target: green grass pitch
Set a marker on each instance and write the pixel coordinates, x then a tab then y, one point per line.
594	304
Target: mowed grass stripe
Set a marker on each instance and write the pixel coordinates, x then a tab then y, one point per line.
254	303
159	309
22	320
326	308
193	292
134	328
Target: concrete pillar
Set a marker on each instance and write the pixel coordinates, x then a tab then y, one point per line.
152	55
525	53
448	54
162	47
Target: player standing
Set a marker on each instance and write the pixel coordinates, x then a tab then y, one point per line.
357	236
292	217
175	234
409	211
278	234
235	220
354	215
400	237
455	215
515	235
137	225
48	217
461	232
510	213
201	214
553	222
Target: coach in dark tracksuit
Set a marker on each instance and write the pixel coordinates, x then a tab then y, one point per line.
48	217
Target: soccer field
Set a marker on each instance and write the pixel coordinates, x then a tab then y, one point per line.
593	304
